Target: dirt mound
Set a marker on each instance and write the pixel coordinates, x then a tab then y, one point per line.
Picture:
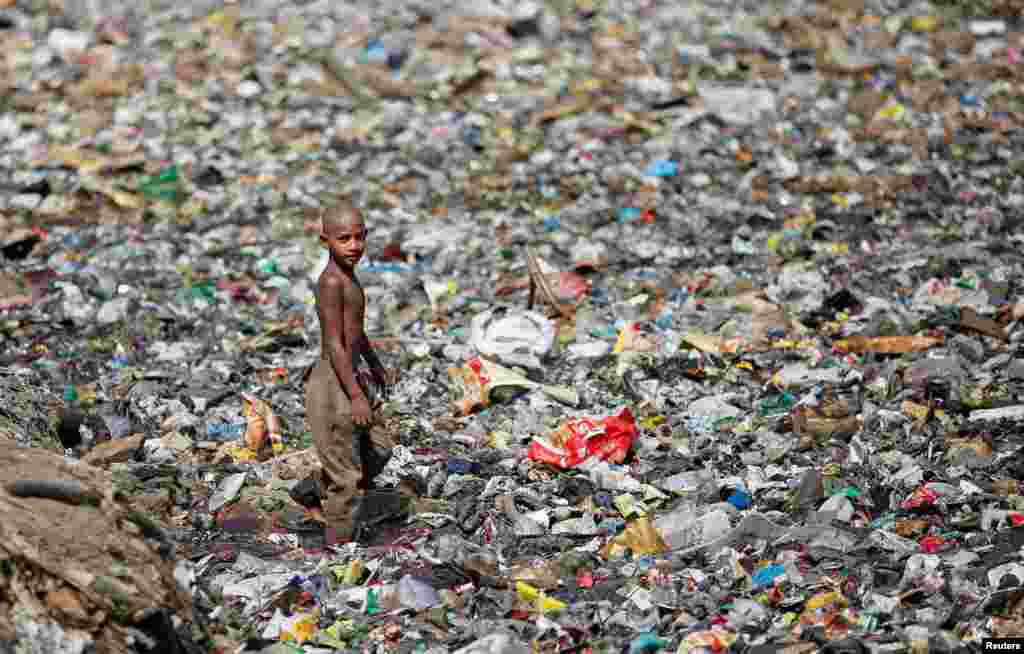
77	565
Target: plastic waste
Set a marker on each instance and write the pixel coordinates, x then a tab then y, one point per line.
479	382
608	438
514	338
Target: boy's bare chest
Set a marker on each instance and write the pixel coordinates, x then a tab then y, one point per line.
353	299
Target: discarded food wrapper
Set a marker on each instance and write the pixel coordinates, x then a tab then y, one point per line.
261	422
479	379
608	438
516	337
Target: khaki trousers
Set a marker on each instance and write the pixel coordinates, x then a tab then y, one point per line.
350	456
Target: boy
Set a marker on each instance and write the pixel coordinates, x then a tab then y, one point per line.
339	395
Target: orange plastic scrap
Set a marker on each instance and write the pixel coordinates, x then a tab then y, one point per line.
888	344
261	423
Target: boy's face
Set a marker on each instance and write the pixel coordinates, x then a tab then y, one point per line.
346	240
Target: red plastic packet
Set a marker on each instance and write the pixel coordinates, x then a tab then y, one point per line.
579	439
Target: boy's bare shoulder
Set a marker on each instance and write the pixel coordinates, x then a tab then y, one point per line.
337	283
330	281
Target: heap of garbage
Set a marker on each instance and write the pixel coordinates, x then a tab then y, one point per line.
705	320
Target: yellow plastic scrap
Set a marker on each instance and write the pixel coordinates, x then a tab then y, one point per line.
543	603
800	220
223	23
241	454
823	600
924	23
652	422
832	248
894	111
299	628
918	411
620	343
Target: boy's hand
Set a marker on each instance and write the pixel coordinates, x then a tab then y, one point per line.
380	380
361	413
385	379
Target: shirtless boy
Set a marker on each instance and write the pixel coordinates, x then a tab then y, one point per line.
339	396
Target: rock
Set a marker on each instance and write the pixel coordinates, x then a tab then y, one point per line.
120	450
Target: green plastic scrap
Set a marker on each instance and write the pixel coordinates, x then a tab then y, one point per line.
162	186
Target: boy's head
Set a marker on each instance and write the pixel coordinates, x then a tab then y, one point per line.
343	233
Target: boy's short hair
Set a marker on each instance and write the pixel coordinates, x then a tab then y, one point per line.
340	213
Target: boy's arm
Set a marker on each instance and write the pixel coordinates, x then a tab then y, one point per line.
338	333
380	377
370	355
